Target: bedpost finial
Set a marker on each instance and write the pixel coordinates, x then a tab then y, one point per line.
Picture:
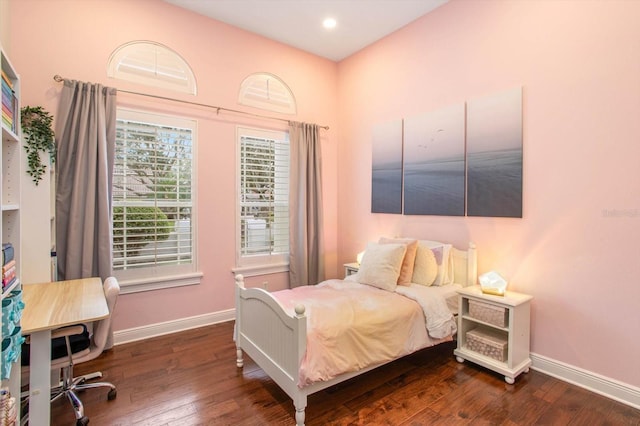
299	309
239	280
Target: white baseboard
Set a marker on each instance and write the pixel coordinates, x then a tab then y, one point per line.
168	327
610	388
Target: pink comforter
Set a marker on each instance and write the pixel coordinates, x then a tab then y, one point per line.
351	326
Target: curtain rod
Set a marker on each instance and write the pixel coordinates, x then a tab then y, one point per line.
60	79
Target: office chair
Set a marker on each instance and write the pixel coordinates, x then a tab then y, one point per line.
82	347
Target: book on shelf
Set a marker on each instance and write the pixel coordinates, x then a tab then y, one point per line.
9	270
7	253
7	93
10	264
6	88
7	113
7	109
9	275
6	79
9	105
9	283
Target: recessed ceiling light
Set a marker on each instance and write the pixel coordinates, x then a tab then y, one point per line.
329	23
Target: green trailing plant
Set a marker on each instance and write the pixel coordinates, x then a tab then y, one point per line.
38	137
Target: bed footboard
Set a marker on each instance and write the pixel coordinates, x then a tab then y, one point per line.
275	340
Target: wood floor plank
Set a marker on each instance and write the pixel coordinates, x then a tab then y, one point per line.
190	378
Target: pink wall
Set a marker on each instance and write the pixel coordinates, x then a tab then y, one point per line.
75	38
579	65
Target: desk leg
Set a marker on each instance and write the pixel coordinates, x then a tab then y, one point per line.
40	378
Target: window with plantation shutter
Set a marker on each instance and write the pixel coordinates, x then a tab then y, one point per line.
153	197
263	198
152	64
267	91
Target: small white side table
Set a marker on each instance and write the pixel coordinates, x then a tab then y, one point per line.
351	268
515	330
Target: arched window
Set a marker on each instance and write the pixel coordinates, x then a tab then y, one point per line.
266	91
151	64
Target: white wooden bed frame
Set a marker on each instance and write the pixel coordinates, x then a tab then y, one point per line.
277	341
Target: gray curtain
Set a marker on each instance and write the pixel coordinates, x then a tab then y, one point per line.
85	135
306	262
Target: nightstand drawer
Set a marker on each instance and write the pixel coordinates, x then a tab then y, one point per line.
489	313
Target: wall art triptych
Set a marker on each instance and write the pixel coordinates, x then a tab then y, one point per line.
461	160
386	168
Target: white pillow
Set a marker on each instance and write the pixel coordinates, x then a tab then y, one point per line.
425	269
408	264
380	266
444	260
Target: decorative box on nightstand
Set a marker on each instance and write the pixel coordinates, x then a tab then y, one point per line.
493	331
351	268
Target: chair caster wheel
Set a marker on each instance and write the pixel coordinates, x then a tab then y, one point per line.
82	421
112	394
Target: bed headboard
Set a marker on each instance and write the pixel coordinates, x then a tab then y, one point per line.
465	265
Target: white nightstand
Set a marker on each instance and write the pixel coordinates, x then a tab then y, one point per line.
493	331
351	268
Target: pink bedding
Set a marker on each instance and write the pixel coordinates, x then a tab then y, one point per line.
351	326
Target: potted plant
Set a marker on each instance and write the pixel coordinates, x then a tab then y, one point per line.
38	137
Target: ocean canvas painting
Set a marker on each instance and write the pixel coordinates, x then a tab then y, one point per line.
494	155
386	168
434	163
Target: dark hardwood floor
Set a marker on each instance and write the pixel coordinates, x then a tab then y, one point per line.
190	378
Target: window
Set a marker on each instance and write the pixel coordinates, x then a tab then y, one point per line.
267	91
151	64
263	201
153	200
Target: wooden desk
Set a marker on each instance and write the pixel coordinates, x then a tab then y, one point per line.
49	306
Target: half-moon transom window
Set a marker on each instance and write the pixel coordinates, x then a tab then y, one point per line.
267	91
151	64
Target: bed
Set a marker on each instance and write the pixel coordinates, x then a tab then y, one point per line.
272	328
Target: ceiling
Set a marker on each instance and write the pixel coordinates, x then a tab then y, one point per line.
298	23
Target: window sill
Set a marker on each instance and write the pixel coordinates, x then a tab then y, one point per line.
257	270
158	283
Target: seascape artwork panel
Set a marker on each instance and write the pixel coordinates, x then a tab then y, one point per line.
434	166
386	168
494	155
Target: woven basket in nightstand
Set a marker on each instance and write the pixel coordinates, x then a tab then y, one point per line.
487	343
492	314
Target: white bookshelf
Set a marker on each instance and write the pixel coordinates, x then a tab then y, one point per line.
10	196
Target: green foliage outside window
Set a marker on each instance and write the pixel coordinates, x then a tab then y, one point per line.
142	224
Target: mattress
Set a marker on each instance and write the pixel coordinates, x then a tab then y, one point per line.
351	326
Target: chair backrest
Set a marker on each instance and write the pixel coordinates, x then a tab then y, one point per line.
102	328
